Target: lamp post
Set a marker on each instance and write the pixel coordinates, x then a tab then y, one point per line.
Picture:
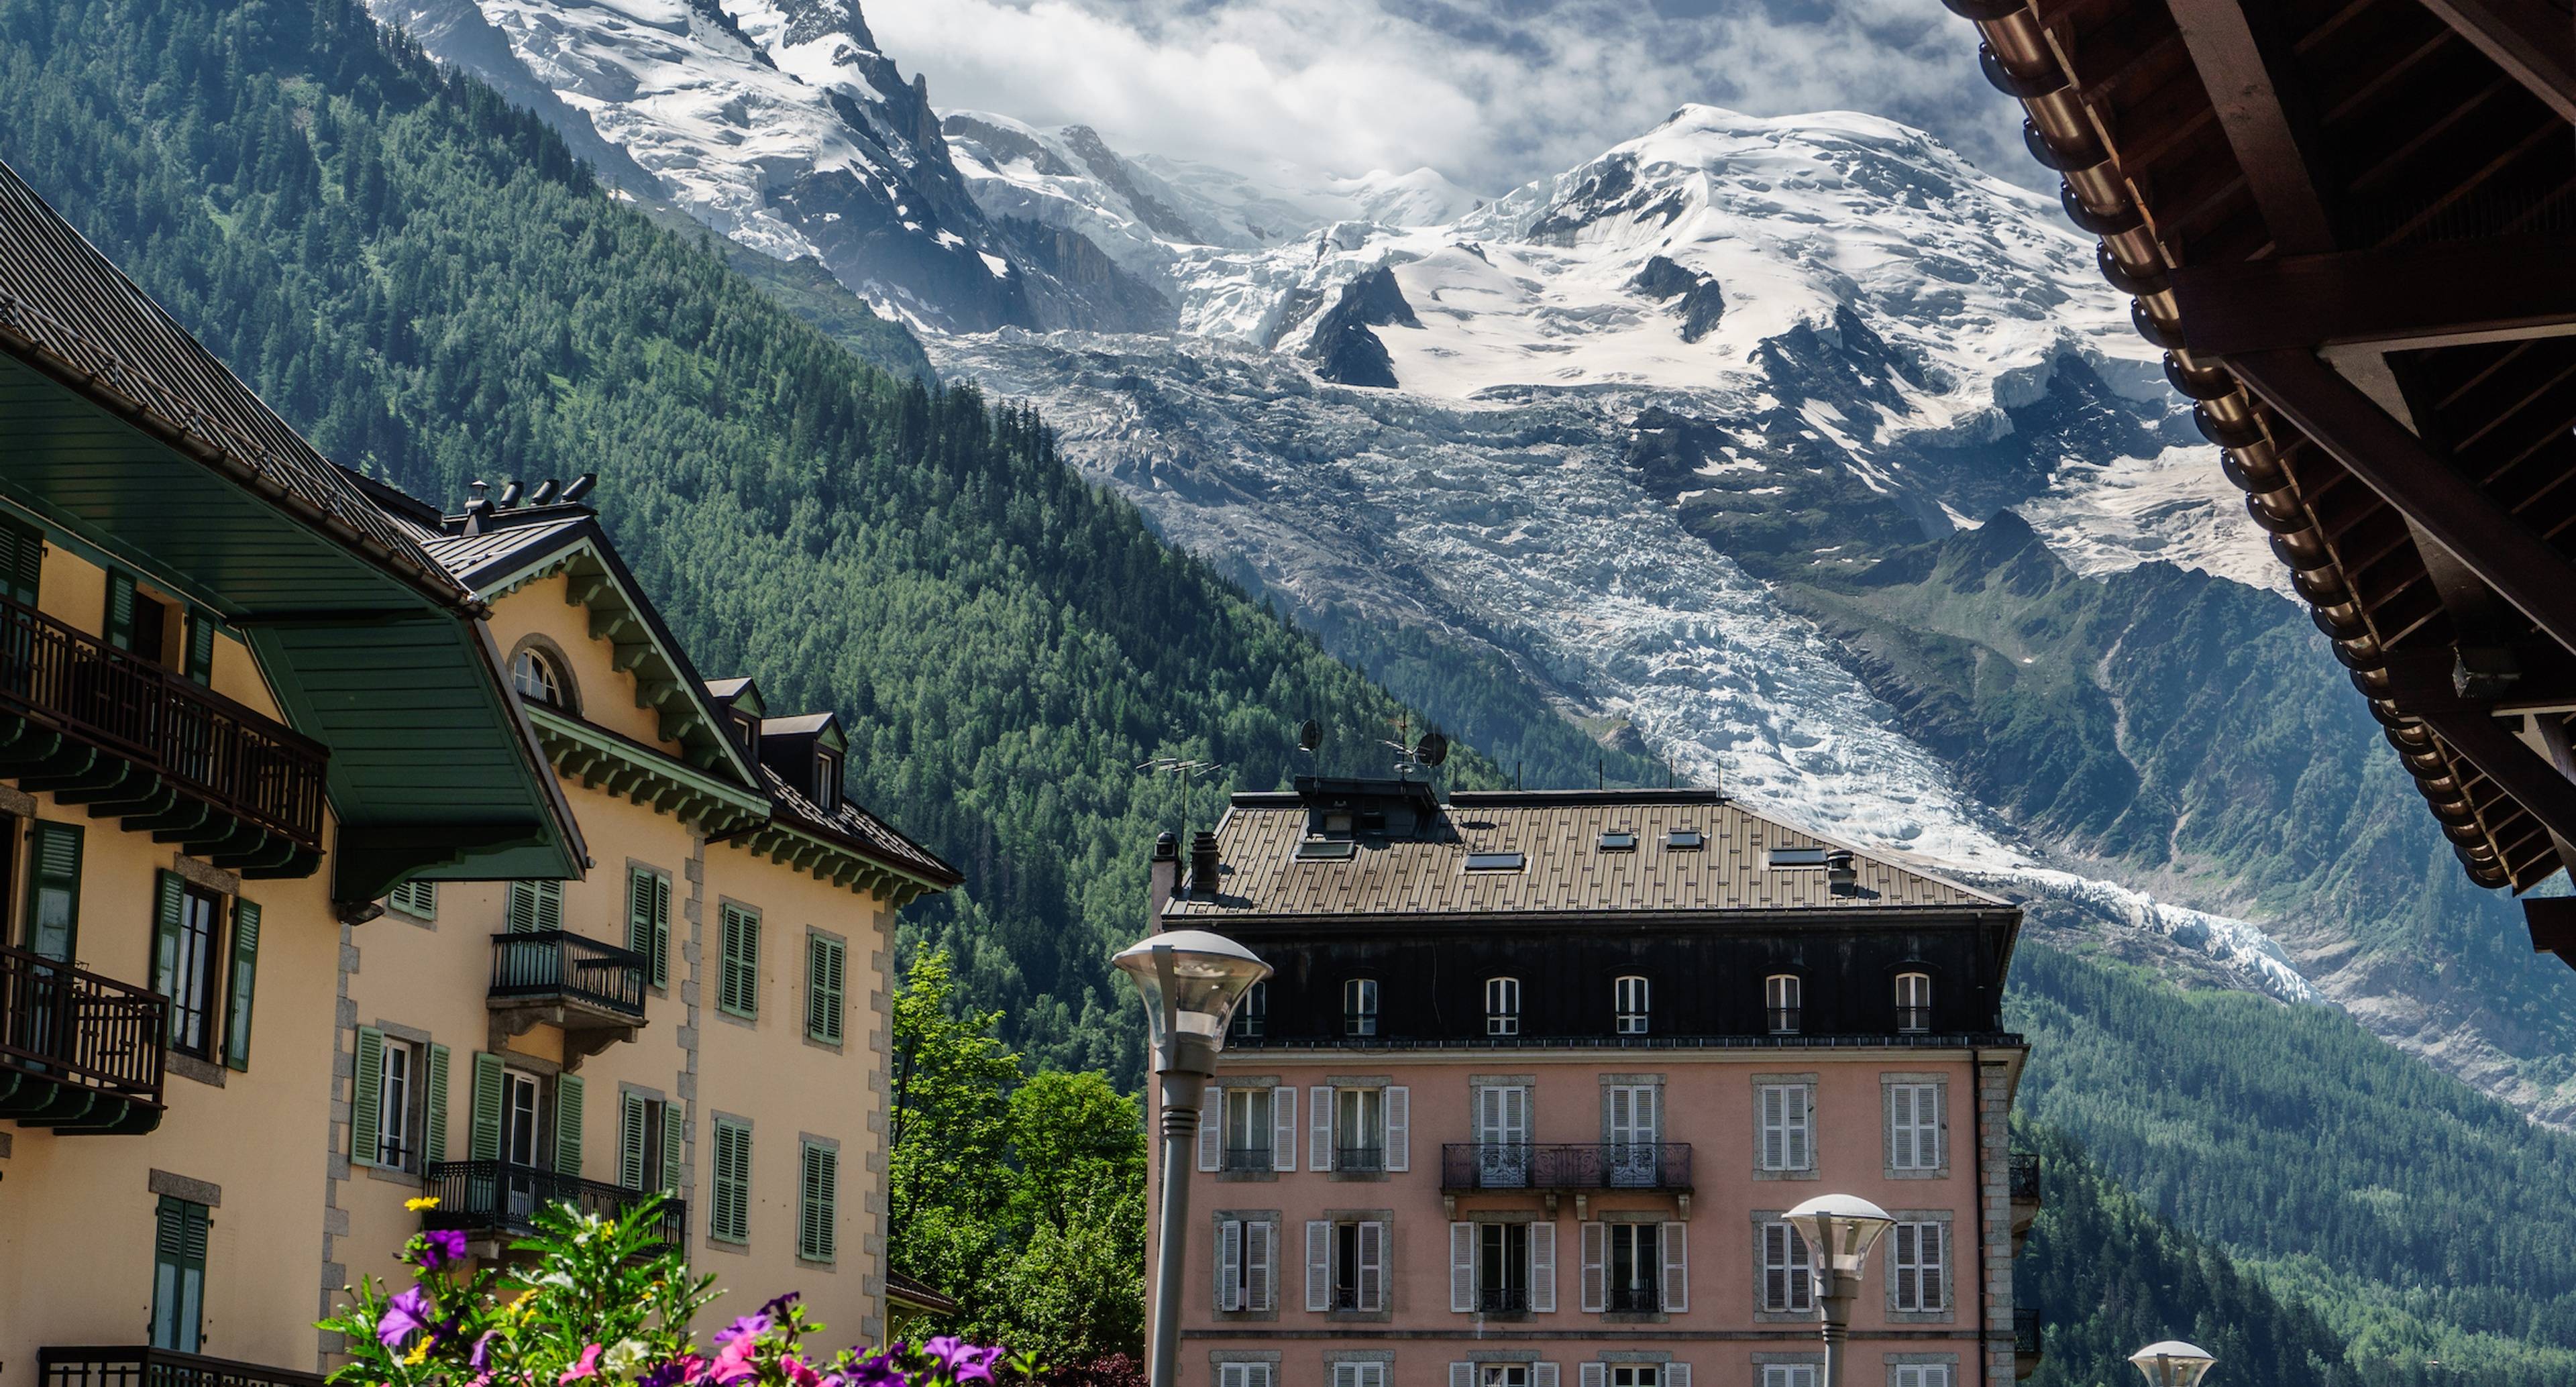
2173	1363
1841	1228
1190	981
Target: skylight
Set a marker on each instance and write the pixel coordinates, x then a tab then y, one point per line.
1797	857
1685	838
1326	849
1618	840
1495	861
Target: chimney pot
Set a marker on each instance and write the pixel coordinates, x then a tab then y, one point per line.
1163	878
1205	865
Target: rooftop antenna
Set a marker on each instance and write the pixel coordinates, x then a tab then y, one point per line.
1189	771
1310	735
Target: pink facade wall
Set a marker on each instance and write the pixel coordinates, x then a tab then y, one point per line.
1709	1101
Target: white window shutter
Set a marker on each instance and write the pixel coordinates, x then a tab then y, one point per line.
1462	1268
1802	1110
1260	1285
1319	1121
1675	1375
1542	1277
1372	1269
1676	1248
1399	1128
1900	1127
1775	1122
1319	1265
1936	1127
1462	1375
1212	1128
1283	1127
1542	1375
1927	1246
1594	1375
1596	1276
1229	1265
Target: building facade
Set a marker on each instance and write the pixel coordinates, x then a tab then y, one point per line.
1538	1074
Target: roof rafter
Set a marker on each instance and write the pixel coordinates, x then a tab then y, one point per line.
2535	45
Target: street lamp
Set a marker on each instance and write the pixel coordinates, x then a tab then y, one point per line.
1190	980
2173	1363
1841	1228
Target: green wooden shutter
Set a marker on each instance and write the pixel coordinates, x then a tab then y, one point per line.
818	1210
53	890
739	988
648	922
671	1147
630	1143
201	646
367	1096
118	626
661	931
487	1107
169	903
823	996
245	976
568	1125
730	1219
434	1146
418	898
550	905
178	1275
22	563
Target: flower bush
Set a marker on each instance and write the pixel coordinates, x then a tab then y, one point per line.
603	1302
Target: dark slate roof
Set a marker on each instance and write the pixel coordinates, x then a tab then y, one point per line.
477	560
857	828
727	690
1566	872
795	724
67	311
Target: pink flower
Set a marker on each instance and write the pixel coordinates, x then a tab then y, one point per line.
587	1367
734	1363
800	1372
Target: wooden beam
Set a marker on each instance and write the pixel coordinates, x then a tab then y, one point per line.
2521	286
2421	483
2269	134
2550	798
2552	921
2535	45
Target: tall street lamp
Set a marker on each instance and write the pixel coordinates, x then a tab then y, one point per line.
2173	1363
1190	980
1841	1228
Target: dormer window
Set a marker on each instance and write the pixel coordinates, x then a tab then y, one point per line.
746	733
1913	1003
827	780
534	675
1782	999
1629	996
1502	1006
1359	1006
1252	1014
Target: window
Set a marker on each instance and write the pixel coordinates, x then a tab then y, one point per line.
1502	1006
1358	1253
1790	1375
746	733
1788	1271
1635	1374
1503	1375
534	906
1685	840
1618	840
1495	861
648	922
1327	850
1502	1136
648	1144
1252	1014
1359	1375
418	899
1359	1129
179	1275
824	959
1914	1126
818	1202
1788	1140
135	622
201	647
533	674
185	962
1781	994
22	565
1248	1130
1628	996
1635	1269
827	781
53	889
1919	1375
1798	857
1243	1375
398	1102
1633	1128
730	1218
1359	1006
1914	1269
738	986
1913	1003
393	1106
244	976
1502	1268
1247	1262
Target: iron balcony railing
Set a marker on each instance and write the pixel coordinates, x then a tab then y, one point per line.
553	963
199	742
1249	1158
1502	1300
1359	1158
1643	1299
1641	1165
77	1029
2021	1177
2027	1341
477	1195
155	1367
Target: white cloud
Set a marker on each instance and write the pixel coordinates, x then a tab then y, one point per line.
1491	94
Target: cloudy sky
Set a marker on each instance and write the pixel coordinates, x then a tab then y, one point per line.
1490	92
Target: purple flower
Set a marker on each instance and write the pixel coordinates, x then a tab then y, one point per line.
976	1364
943	1349
877	1370
748	1327
405	1315
442	1246
775	1308
482	1358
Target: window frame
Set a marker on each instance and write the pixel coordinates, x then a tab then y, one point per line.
1250	1099
1931	1279
1360	1007
395	1095
1252	1014
1645	1242
818	1222
827	958
1784	1008
1502	1005
200	974
1631	1004
1914	1017
181	1234
738	968
729	1183
1797	1138
1781	1251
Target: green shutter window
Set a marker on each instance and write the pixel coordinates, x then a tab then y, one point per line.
22	563
435	1147
630	1143
487	1107
245	976
823	998
179	1275
648	923
671	1147
535	905
568	1125
367	1096
818	1204
53	890
169	905
730	1219
416	898
118	625
201	646
738	989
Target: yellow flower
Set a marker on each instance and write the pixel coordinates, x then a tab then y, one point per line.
416	1205
419	1353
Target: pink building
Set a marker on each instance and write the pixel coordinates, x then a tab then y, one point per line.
1538	1073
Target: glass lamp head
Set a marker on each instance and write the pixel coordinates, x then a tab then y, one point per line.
1190	981
1842	1228
2173	1363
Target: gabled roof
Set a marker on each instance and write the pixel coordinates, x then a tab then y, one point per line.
852	830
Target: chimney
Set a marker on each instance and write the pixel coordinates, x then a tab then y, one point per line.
1162	879
478	509
1842	877
1204	865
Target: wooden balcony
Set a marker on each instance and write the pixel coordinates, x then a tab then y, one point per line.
498	1197
1581	1169
154	1367
132	740
590	989
78	1052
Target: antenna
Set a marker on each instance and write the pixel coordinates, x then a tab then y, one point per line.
1310	735
1189	771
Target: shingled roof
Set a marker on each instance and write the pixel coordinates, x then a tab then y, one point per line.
1565	869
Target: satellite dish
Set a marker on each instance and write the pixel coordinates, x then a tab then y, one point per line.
580	486
509	494
1432	749
1310	735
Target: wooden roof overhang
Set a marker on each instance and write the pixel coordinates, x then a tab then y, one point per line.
125	437
2352	226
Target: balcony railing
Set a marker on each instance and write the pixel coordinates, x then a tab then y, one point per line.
1249	1158
201	744
2027	1340
1913	1020
1502	1300
1782	1020
1636	1300
1471	1165
2021	1178
501	1195
558	965
154	1367
1359	1158
69	1037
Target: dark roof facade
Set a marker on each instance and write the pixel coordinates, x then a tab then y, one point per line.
2352	225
